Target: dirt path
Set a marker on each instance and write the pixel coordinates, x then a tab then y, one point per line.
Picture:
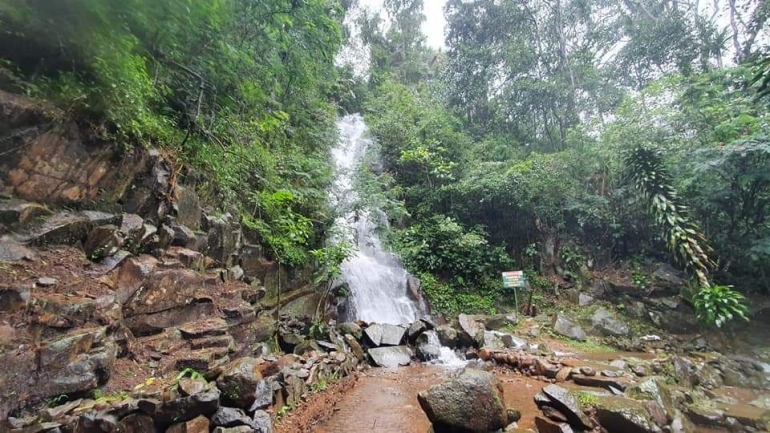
385	401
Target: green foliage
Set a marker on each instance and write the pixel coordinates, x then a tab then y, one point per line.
587	399
449	299
441	246
682	237
100	397
191	373
716	305
238	90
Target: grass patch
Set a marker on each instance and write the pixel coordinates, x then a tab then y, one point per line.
587	399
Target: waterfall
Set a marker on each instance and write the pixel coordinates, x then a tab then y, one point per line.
375	277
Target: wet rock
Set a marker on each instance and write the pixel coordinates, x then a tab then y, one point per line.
566	403
239	382
164	290
355	347
447	336
199	424
708	377
54	413
498	321
492	340
235	273
230	417
429	322
352	329
204	328
413	285
263	395
585	300
705	417
624	415
239	429
564	325
103	241
306	347
132	275
470	329
391	356
683	371
224	240
183	236
602	382
15	213
669	275
471	402
13	252
385	334
653	388
46	282
182	409
512	342
415	330
13	298
187	207
188	387
138	423
68	227
606	324
262	422
427	349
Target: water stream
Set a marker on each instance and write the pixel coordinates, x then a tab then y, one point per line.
375	277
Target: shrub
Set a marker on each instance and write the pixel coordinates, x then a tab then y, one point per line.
716	305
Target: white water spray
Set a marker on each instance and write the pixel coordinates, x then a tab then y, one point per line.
377	281
447	357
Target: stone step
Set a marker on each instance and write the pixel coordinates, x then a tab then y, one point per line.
200	360
204	328
226	341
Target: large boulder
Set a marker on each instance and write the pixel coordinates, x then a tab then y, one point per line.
566	326
225	239
68	227
103	241
624	415
240	383
447	336
566	403
470	329
391	356
605	323
428	346
471	402
385	334
182	409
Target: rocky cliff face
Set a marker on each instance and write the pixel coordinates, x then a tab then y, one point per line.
114	278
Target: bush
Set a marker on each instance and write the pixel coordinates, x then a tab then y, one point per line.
717	305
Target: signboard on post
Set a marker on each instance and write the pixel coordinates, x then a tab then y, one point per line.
514	280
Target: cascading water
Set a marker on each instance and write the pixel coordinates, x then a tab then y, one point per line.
377	281
375	277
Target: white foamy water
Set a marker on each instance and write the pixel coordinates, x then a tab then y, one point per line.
447	357
377	281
